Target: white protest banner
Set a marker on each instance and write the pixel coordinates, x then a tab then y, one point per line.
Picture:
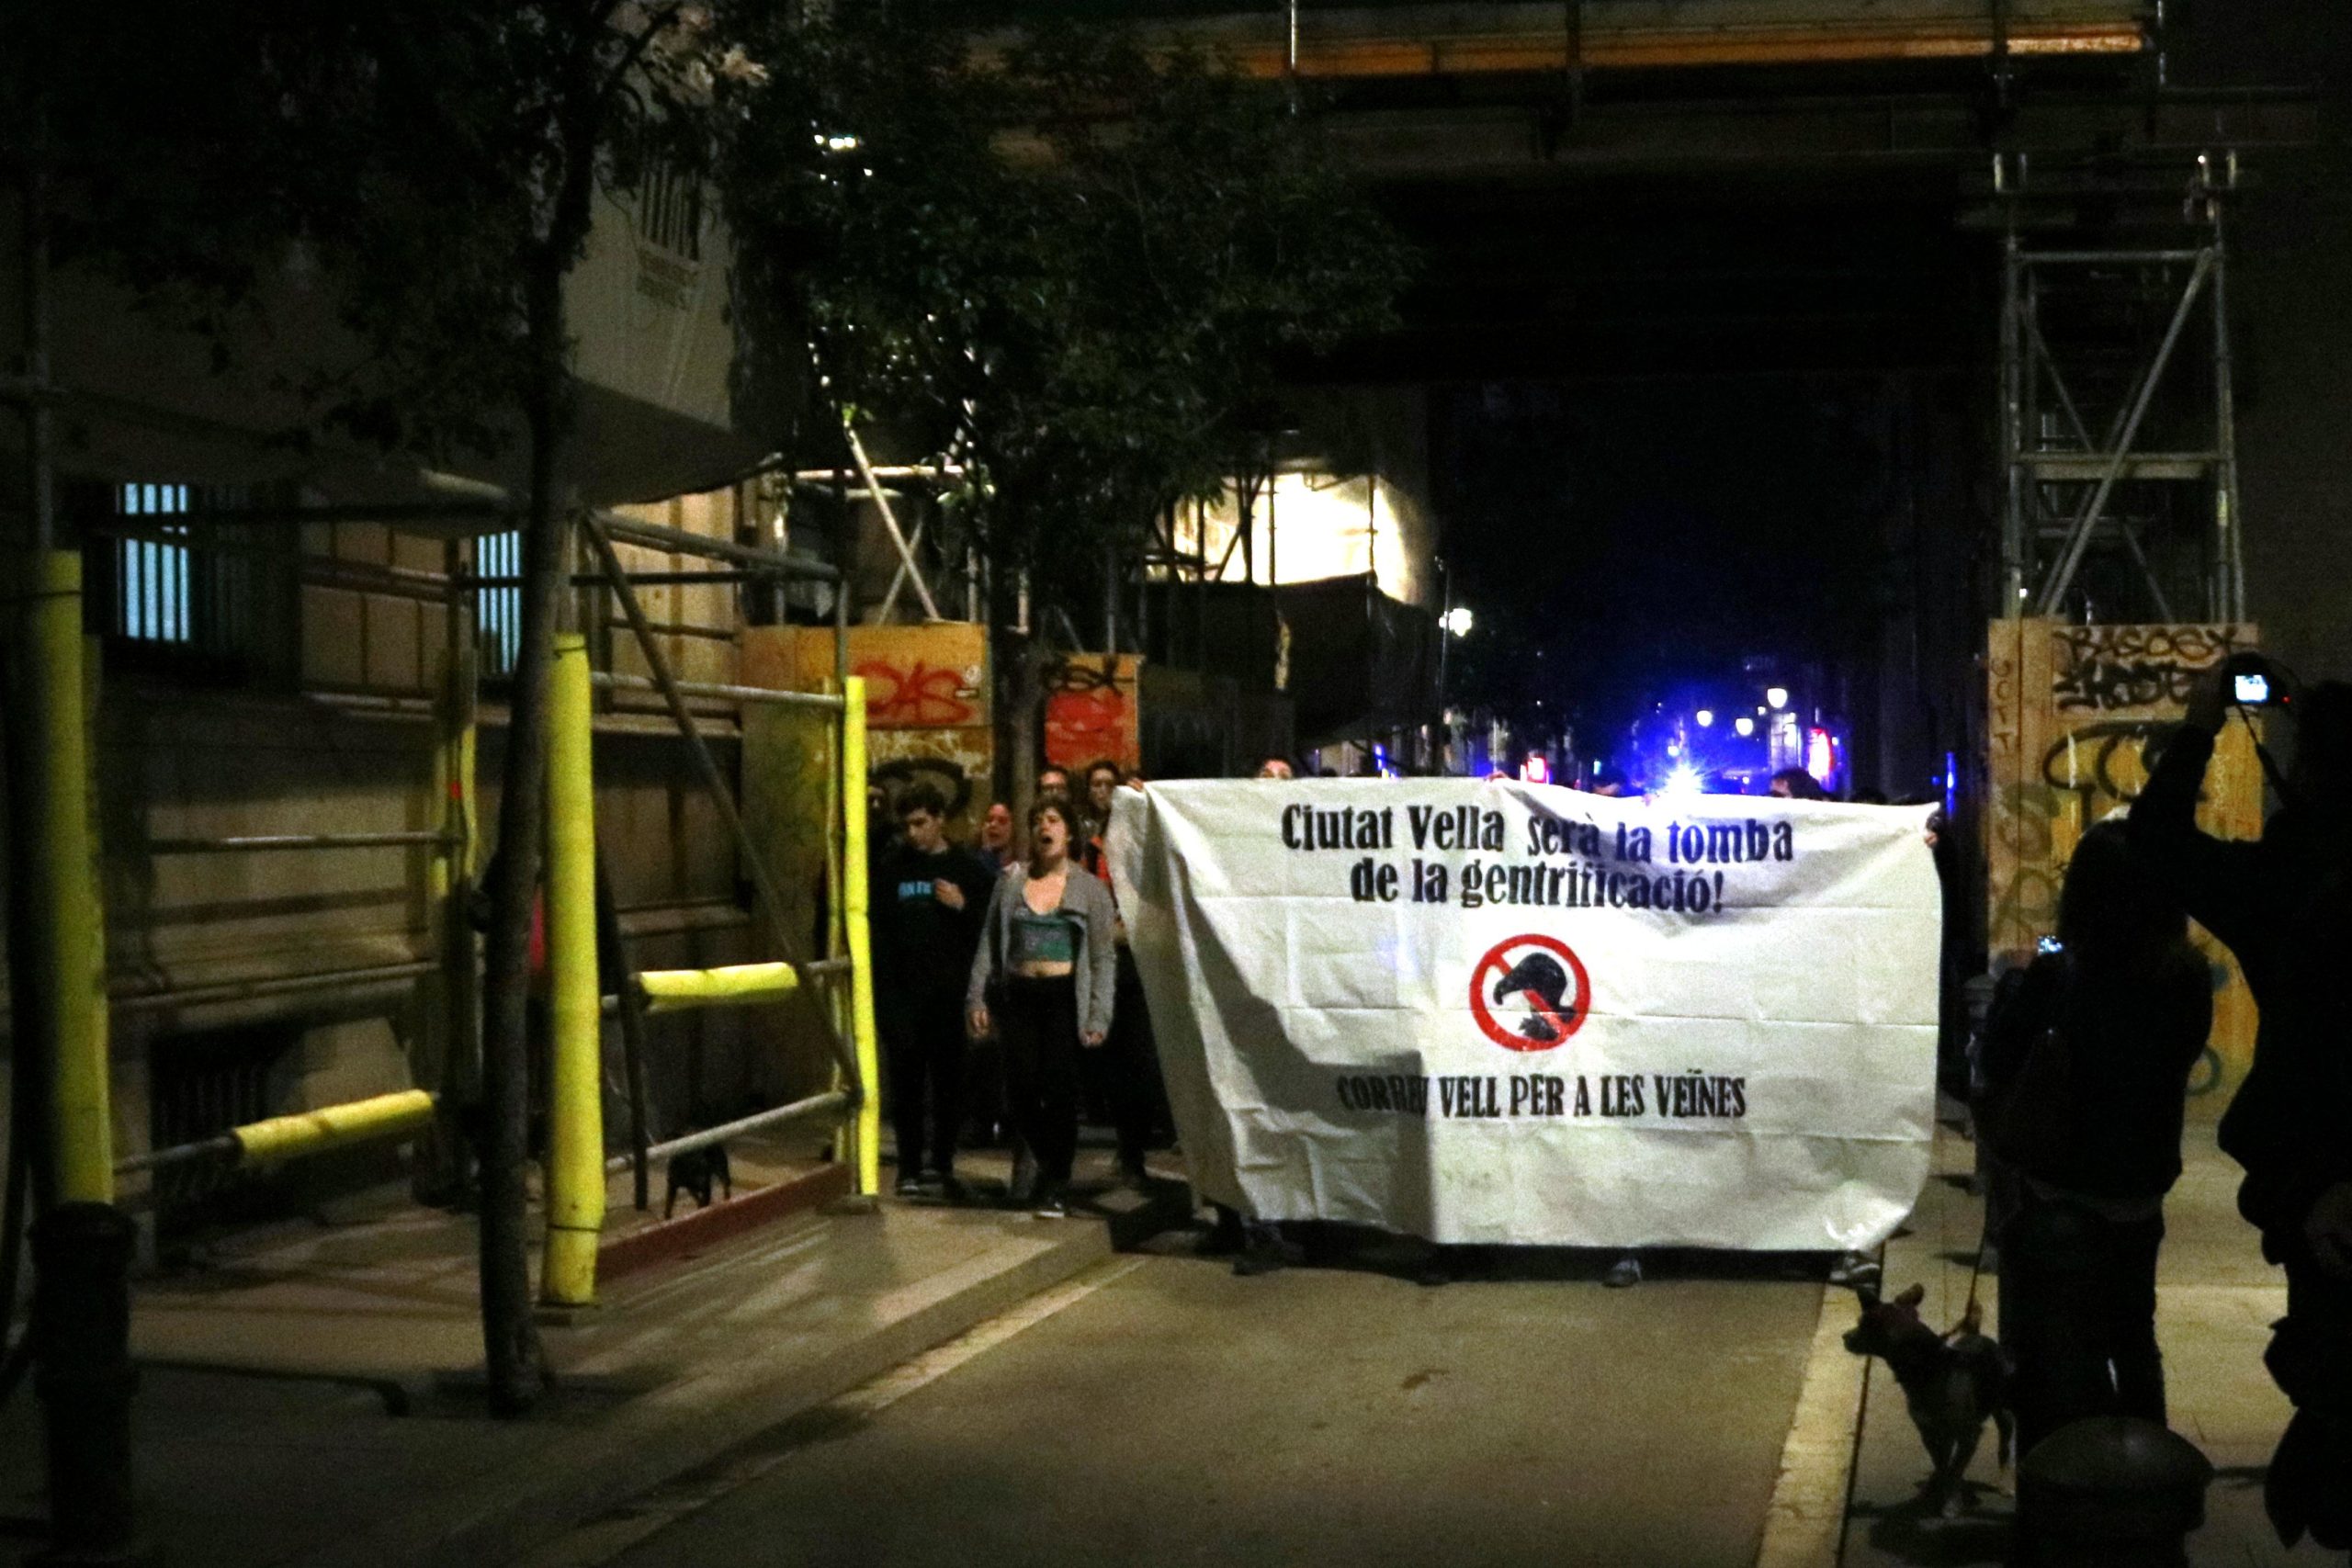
1504	1012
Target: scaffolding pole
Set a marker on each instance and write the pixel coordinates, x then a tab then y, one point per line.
714	783
2067	464
59	962
575	1157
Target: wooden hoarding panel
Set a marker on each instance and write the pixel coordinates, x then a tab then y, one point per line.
2075	713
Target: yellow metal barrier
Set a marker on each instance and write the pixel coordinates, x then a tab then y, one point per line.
306	1132
575	1168
64	946
736	984
855	897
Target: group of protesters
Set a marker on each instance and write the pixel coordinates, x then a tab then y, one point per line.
2080	1083
1019	947
2082	1072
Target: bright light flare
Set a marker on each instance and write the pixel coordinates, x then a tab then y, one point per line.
1458	620
1682	783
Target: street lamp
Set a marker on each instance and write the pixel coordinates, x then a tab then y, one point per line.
1777	696
1457	620
1744	724
1707	717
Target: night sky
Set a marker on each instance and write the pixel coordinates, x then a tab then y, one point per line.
1643	533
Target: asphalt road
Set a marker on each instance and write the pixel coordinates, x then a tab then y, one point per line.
1160	1410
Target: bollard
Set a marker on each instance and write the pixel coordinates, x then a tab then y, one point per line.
82	1327
2110	1492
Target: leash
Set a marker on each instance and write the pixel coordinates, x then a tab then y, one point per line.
1976	1266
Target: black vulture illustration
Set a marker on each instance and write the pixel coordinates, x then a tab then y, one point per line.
1539	978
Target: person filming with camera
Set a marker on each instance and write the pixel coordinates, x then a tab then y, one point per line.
2282	904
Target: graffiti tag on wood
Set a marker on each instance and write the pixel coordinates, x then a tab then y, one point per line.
917	695
1091	711
2074	716
2134	667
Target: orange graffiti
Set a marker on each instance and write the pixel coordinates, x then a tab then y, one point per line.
1081	726
1091	714
916	698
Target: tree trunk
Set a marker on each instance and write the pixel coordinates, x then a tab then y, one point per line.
1013	671
510	1337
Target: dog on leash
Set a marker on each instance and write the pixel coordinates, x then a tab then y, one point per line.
1953	1383
697	1171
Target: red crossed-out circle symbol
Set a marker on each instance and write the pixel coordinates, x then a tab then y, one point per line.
1541	974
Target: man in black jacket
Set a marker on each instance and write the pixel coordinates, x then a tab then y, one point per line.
2283	905
928	901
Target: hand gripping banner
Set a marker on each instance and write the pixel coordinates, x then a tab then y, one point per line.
1502	1012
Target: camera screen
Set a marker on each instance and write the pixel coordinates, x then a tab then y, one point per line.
2253	689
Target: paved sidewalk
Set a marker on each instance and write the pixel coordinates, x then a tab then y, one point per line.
2216	1299
265	1426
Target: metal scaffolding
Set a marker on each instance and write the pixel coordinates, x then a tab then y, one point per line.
2119	442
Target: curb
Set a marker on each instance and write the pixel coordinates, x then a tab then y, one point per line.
1804	1524
685	1424
665	1241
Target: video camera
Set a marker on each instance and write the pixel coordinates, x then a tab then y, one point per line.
2256	682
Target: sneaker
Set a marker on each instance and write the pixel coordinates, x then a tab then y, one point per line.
1265	1250
1134	1177
1856	1270
1627	1270
907	1186
1051	1205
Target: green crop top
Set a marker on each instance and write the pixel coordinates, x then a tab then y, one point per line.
1042	939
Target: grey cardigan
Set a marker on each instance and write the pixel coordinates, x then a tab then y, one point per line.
1097	971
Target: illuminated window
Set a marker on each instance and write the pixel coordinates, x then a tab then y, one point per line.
151	576
180	588
498	612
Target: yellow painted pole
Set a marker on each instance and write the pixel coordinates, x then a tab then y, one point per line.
575	1167
733	985
64	951
307	1132
861	947
454	1076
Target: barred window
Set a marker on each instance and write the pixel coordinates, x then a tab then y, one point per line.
669	212
151	578
177	588
498	611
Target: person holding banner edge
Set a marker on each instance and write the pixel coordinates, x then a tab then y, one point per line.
2280	905
1044	981
1125	1073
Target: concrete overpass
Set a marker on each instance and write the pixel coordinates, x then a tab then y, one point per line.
1649	186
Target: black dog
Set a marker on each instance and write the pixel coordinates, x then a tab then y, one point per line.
1951	1383
697	1171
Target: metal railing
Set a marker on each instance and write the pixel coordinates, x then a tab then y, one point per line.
66	1017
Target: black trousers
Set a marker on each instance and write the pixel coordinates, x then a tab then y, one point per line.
2078	1315
1123	1073
922	1036
1037	1020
